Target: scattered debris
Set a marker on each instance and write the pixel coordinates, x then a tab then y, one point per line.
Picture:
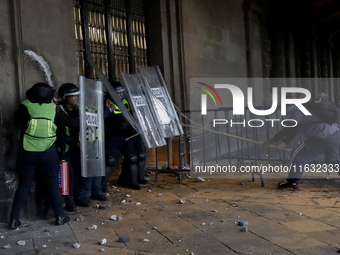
92	227
179	213
21	242
103	207
113	217
113	186
102	249
119	218
107	194
124	201
127	195
234	205
148	232
211	223
123	239
149	190
55	231
160	195
25	225
243	183
214	210
182	200
103	241
200	179
144	240
1	236
44	246
7	246
203	224
300	213
244	229
155	228
243	223
138	203
206	200
80	217
76	245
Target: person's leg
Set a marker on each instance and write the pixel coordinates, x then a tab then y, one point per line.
49	165
96	189
304	154
138	144
131	158
26	168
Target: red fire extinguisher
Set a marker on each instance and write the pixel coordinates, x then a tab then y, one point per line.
64	179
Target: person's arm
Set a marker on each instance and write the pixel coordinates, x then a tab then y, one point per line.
62	118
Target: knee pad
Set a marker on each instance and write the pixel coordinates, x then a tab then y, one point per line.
133	159
141	157
111	161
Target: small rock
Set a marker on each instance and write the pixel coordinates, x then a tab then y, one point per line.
211	223
149	190
300	213
21	242
234	205
103	241
244	229
92	227
44	246
55	231
7	246
182	200
179	213
155	228
203	224
119	218
80	217
102	249
113	217
107	194
113	186
138	203
160	195
144	240
243	183
148	232
243	223
76	245
123	239
1	236
127	195
200	179
124	201
103	207
214	210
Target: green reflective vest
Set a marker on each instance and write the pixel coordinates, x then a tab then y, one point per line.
67	130
41	133
118	111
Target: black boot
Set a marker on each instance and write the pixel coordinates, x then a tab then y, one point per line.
61	220
69	204
14	224
140	175
132	177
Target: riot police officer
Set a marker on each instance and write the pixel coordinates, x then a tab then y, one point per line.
117	130
38	119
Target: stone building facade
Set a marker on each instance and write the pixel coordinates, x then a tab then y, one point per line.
186	38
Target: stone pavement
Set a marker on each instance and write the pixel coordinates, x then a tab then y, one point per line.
280	222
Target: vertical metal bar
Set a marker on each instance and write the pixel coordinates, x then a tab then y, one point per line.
179	152
86	37
129	29
109	38
168	151
255	148
228	138
156	154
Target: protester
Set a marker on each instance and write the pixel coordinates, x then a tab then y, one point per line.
322	137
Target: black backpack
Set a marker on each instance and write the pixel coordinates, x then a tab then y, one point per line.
325	110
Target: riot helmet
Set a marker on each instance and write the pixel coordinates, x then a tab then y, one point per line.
40	93
67	90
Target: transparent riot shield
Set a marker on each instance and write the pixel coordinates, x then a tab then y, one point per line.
149	128
158	96
91	128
